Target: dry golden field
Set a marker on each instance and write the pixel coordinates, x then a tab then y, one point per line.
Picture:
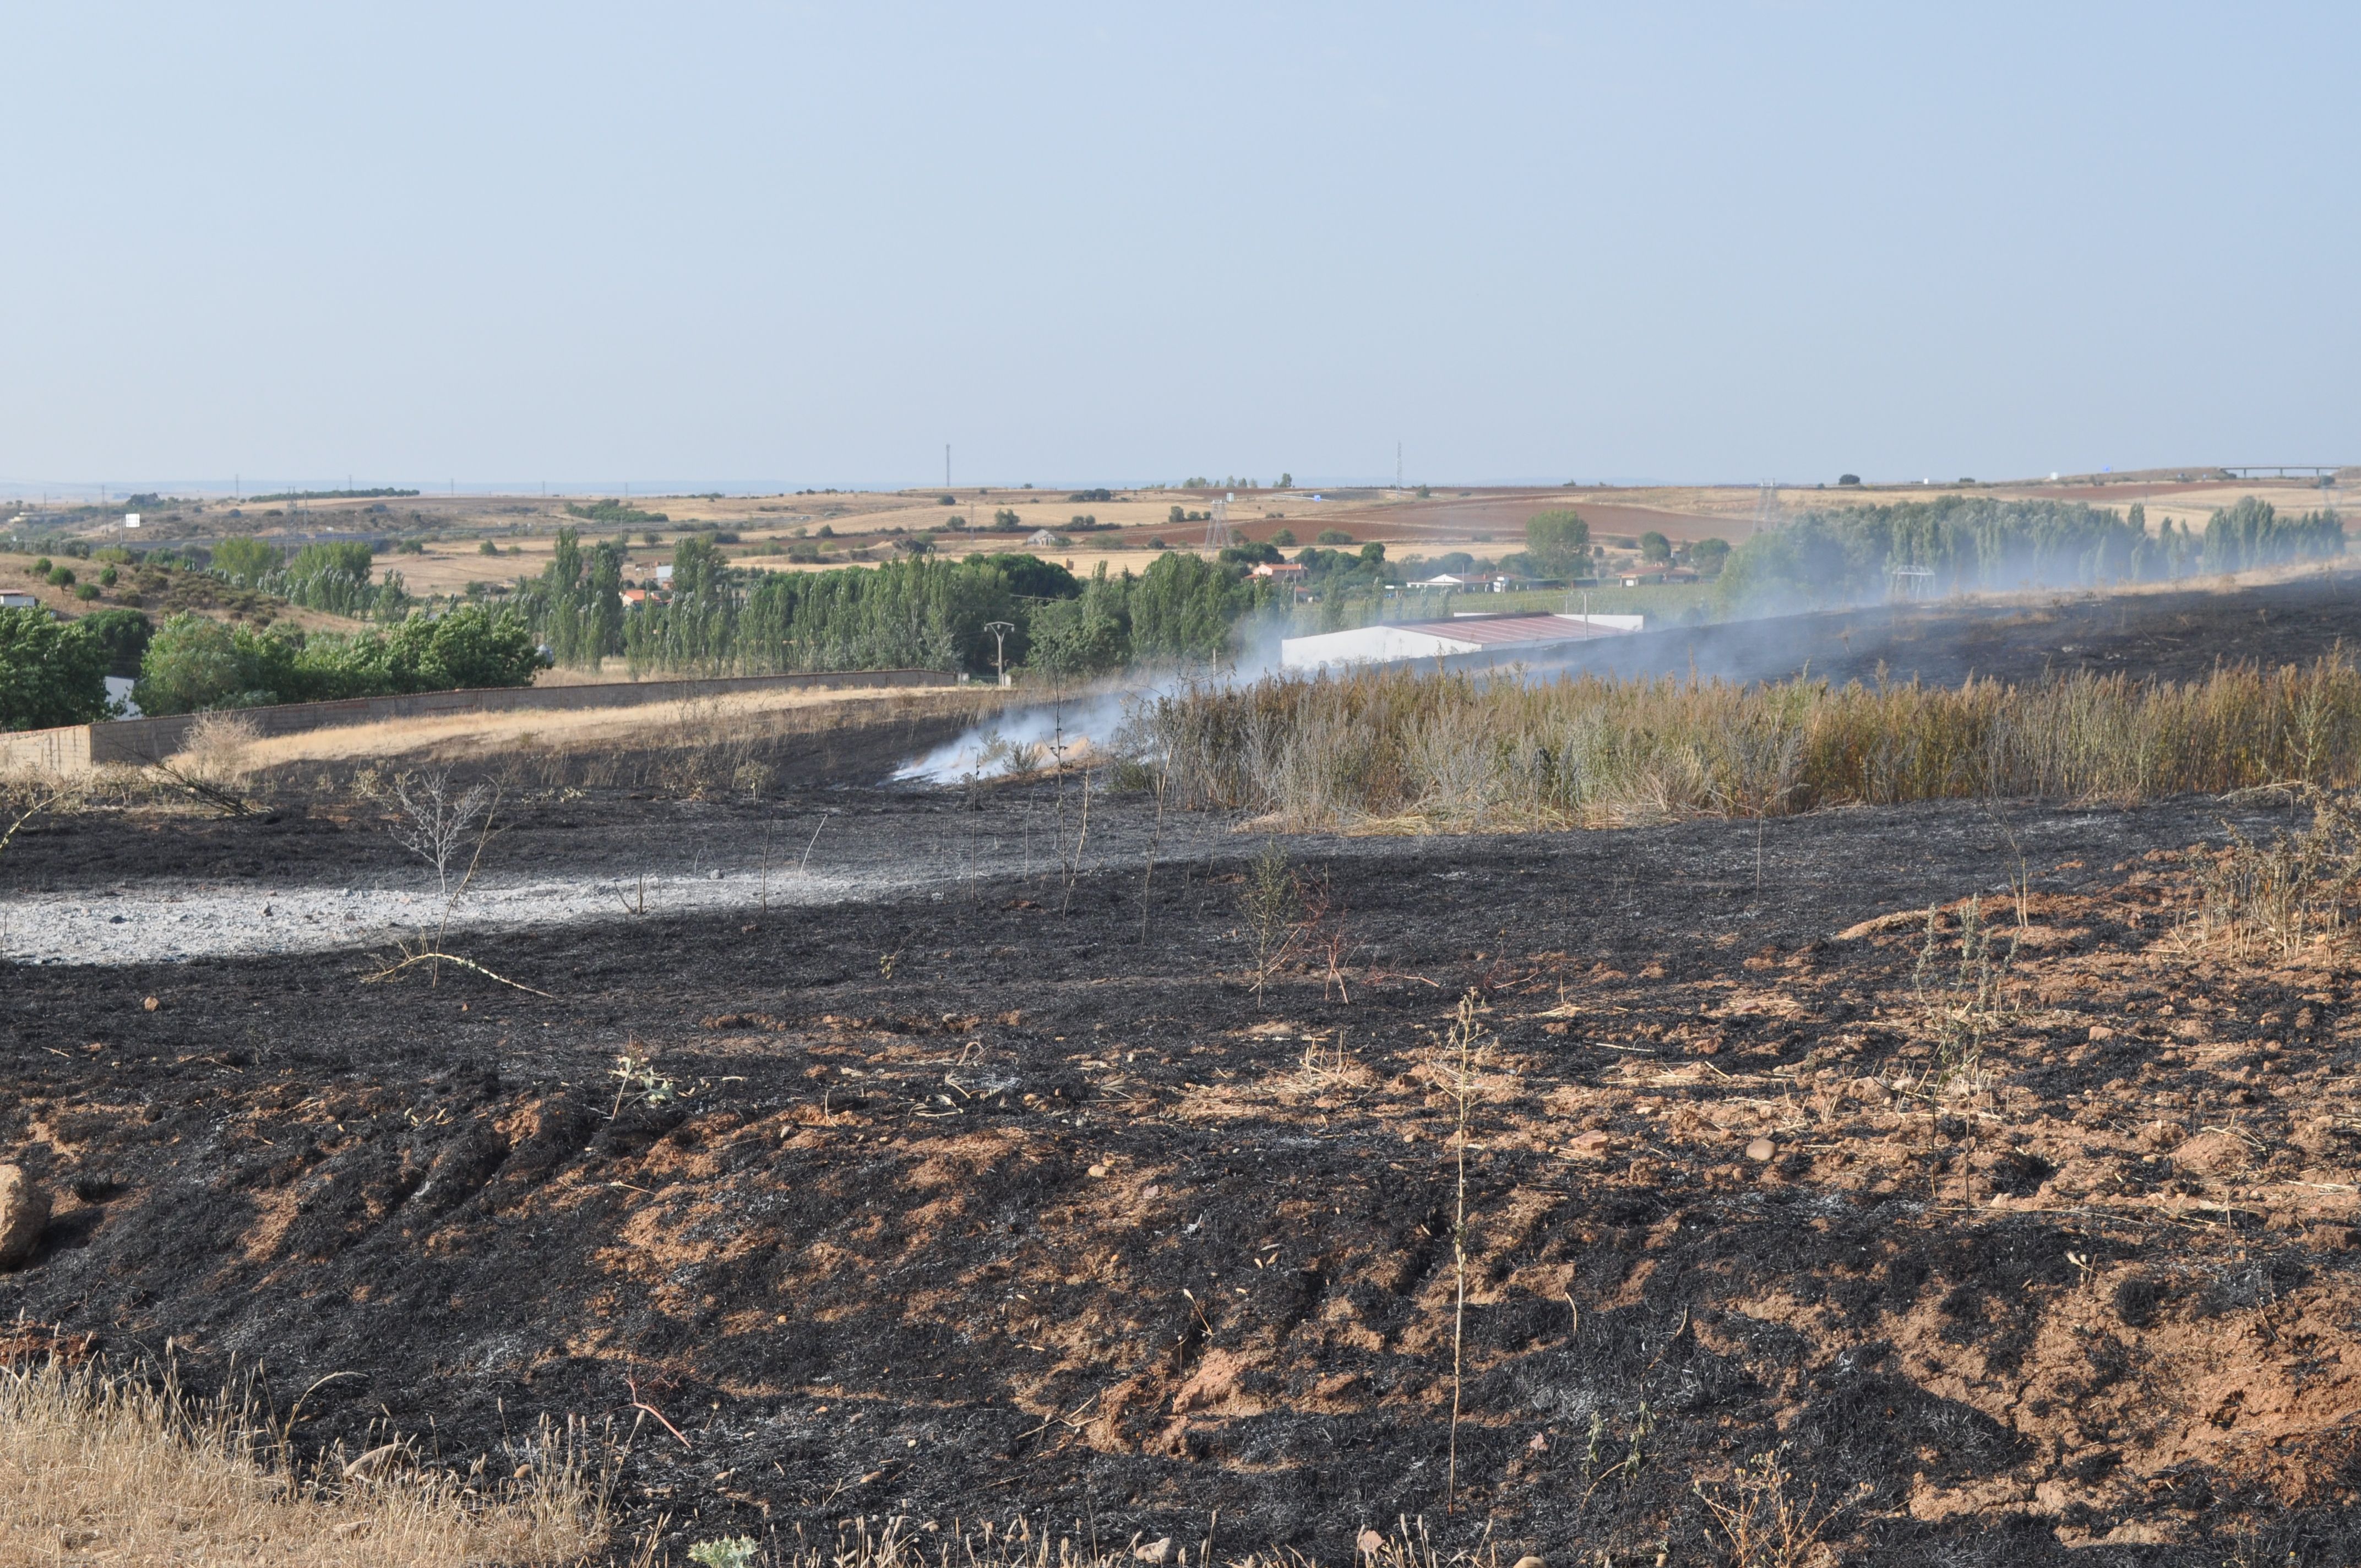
865	526
696	722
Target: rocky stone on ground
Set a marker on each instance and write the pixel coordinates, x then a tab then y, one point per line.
24	1215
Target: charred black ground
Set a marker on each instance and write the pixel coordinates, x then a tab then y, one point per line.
863	1262
2174	634
1000	1200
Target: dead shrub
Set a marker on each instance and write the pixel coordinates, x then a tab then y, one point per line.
214	761
1270	902
1766	1518
1961	1001
219	748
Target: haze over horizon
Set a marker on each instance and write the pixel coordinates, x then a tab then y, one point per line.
730	246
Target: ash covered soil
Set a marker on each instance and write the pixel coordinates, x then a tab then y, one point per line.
975	1200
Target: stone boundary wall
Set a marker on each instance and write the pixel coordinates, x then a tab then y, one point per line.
81	747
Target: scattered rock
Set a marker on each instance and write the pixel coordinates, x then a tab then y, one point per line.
1369	1542
1098	1170
1900	920
1594	1142
24	1215
1760	1149
151	1004
1528	1563
1158	1551
2212	1154
2333	1237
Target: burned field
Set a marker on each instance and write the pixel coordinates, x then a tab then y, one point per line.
2163	633
2020	1230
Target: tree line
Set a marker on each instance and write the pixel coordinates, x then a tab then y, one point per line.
1961	543
921	613
335	577
53	671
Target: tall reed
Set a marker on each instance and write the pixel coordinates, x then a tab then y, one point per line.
1419	750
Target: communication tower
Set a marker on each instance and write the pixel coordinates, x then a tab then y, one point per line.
1217	525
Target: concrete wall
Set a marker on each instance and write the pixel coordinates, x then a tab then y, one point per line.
83	746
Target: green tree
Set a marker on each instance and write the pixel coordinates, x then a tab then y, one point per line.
1184	605
192	664
1085	634
51	672
1654	546
469	648
1708	555
351	560
248	561
1029	577
1558	544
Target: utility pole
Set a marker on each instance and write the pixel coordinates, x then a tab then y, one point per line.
1000	631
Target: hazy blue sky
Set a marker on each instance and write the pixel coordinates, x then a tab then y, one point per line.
1097	244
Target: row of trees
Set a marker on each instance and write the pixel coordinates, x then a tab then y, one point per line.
920	613
53	671
192	664
1966	542
335	577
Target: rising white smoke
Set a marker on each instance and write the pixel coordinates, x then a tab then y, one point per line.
1084	724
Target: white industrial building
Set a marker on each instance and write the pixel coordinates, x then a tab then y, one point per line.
1503	637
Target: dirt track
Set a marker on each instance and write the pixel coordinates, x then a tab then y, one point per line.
966	1208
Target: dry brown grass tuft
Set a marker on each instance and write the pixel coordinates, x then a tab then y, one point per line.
109	1470
219	748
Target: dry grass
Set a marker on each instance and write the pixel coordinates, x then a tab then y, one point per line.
1767	1518
1404	750
460	736
220	748
2283	897
98	1470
